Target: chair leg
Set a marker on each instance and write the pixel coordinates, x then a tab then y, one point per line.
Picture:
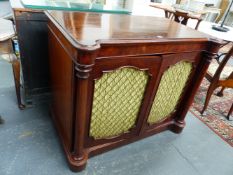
1	120
229	113
16	72
220	93
208	95
197	25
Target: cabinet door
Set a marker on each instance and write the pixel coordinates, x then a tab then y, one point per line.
132	95
177	71
119	91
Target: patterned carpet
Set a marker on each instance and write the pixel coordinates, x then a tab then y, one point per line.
215	115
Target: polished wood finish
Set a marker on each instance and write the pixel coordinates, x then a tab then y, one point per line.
83	46
216	82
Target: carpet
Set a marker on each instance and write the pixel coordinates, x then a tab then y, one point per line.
215	114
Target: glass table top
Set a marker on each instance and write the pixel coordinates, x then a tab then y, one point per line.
78	5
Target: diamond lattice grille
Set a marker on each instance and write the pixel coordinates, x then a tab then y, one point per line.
170	89
117	100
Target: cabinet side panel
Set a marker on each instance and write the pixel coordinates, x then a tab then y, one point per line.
61	70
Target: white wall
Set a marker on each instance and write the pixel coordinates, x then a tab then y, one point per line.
142	8
215	2
169	1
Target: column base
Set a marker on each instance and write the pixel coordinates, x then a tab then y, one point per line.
77	164
177	127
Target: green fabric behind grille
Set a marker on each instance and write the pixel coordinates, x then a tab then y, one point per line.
117	100
170	89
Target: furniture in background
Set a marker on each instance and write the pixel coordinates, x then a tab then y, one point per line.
7	52
206	11
190	11
220	77
31	28
231	109
114	82
218	71
183	17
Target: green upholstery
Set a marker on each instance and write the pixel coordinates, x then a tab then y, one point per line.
117	100
170	89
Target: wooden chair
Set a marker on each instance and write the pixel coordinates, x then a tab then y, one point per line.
7	52
175	14
1	120
183	17
220	79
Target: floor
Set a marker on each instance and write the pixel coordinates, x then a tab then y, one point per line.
29	145
5	8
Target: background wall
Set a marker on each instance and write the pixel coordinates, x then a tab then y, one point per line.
142	8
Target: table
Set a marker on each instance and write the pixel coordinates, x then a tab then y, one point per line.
194	14
172	13
206	27
114	84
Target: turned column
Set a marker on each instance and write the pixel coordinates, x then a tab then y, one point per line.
83	67
208	54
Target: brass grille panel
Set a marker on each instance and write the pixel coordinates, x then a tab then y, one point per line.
116	103
169	91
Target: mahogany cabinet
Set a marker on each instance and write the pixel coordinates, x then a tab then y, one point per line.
119	78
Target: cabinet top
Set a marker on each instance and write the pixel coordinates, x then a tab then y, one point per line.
91	29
